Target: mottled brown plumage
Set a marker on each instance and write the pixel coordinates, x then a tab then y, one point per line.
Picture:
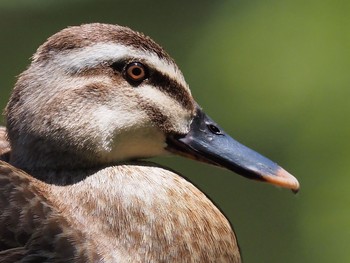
4	145
84	223
70	188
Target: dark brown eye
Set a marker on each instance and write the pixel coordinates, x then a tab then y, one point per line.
135	72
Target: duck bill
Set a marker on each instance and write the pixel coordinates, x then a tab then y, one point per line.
207	142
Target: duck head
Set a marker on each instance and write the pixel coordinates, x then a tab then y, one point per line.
98	94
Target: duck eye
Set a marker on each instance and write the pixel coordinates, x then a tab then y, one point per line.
136	72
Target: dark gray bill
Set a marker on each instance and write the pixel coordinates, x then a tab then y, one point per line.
207	142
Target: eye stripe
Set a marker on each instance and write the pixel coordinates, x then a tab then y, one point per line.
166	84
166	76
171	87
82	59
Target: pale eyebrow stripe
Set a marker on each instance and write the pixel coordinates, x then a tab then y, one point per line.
91	56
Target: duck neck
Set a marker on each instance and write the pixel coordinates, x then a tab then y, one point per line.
56	167
63	177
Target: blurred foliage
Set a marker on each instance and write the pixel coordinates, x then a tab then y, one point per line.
273	73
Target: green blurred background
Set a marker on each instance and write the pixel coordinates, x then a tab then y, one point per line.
274	74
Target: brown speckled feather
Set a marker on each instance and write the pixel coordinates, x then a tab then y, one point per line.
32	229
84	222
4	145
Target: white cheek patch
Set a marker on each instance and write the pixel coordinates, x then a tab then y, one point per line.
91	56
118	117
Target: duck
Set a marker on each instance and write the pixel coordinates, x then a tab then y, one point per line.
95	102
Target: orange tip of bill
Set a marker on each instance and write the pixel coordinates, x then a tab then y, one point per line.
284	179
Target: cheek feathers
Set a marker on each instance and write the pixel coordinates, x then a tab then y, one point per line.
165	112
